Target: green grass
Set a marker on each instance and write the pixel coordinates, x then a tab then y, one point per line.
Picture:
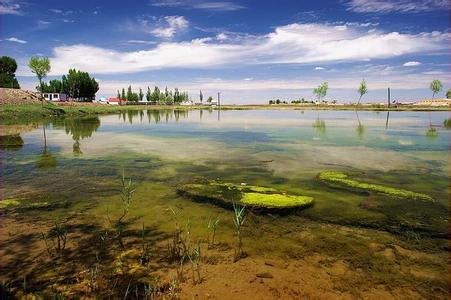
341	178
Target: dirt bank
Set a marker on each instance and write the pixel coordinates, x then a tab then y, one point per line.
16	96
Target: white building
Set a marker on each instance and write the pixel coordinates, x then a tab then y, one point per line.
55	96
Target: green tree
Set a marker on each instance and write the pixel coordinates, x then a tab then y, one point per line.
435	86
41	67
118	95
155	95
123	97
148	94
129	93
362	90
79	85
448	94
8	67
321	91
210	99
140	95
201	96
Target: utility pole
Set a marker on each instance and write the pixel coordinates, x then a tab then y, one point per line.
219	98
388	97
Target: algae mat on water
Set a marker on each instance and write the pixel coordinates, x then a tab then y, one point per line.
261	199
341	179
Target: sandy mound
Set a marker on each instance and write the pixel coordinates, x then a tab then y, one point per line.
16	96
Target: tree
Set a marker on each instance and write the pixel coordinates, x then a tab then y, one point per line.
79	85
321	90
118	95
140	95
435	86
41	67
155	95
123	94
129	93
448	94
8	67
201	96
148	94
210	99
363	89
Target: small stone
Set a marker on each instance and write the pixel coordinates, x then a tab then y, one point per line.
264	275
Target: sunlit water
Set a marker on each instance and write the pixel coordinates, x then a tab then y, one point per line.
80	162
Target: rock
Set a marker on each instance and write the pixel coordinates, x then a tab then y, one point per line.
264	275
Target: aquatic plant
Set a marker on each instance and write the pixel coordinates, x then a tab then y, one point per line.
239	217
127	191
260	199
276	200
212	226
447	123
340	178
195	258
431	133
55	240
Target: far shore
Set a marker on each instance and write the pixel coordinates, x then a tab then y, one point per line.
11	112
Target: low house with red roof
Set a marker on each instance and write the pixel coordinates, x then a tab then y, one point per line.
116	101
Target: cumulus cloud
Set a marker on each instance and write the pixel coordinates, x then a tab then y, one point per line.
199	4
411	64
290	44
10	7
173	24
388	6
15	40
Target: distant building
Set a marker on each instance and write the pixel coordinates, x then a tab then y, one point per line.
186	103
434	102
115	101
55	96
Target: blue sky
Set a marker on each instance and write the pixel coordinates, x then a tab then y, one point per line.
250	51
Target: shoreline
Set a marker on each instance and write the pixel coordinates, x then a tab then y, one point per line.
11	112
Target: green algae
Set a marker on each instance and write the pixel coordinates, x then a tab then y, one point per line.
262	198
276	200
22	203
342	179
7	203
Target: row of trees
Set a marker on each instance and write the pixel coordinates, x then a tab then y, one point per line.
154	96
76	84
8	67
320	92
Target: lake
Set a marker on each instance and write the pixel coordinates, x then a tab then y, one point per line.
70	169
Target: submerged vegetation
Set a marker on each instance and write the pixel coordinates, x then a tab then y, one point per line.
143	239
341	179
256	197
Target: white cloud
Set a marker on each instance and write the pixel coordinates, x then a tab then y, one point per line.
199	4
16	40
291	44
403	6
319	68
411	64
10	7
142	42
222	36
173	24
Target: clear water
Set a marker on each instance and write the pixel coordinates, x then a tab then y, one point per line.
80	162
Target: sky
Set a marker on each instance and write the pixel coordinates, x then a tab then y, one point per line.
250	51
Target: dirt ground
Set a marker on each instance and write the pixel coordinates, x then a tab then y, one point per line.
17	96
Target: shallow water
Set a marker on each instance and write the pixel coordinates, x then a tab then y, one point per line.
80	161
71	169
